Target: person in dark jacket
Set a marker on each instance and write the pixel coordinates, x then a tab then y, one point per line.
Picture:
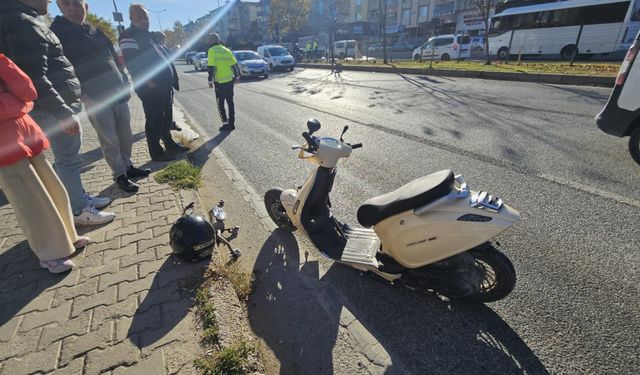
154	76
105	88
161	39
26	40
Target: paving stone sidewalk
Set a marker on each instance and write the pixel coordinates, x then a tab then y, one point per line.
125	308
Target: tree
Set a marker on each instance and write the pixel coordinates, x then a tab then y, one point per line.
288	16
175	37
102	24
484	6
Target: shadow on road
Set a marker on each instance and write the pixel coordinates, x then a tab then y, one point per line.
168	301
200	155
298	314
22	280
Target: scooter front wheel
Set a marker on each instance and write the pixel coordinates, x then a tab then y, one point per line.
276	210
499	275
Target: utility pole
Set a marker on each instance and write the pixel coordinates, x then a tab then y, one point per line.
158	14
384	32
117	16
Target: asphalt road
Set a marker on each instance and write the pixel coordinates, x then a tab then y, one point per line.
575	308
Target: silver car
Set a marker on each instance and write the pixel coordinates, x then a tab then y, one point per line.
200	61
251	64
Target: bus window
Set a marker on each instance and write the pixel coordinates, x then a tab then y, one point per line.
351	44
526	21
501	25
608	13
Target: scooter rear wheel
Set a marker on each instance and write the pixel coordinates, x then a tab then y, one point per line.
499	275
276	210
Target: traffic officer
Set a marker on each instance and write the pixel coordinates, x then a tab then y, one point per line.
223	74
315	49
308	50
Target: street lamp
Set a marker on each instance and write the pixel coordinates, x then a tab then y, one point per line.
157	12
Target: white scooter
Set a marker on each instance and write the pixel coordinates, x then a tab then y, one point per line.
430	235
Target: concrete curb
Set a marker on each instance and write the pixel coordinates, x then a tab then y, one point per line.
559	79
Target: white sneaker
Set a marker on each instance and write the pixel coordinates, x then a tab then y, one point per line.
97	202
91	216
57	265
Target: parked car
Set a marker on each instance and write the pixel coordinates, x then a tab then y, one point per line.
277	57
402	45
200	61
188	57
443	47
251	64
376	47
621	115
476	43
346	48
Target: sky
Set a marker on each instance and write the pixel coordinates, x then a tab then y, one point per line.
182	10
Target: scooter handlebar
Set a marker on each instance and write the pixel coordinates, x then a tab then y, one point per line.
313	146
357	145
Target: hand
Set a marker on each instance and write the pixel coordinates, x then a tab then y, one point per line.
237	80
152	84
70	126
210	84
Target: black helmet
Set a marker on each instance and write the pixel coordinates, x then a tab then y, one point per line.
192	237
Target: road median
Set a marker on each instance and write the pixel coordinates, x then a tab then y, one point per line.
561	79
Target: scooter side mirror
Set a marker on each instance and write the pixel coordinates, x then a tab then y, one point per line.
313	125
343	131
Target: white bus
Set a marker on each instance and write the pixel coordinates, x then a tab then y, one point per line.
551	28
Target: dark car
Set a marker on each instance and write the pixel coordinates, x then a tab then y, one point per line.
621	116
188	57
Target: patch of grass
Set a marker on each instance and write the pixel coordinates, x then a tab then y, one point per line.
531	67
181	175
229	361
206	313
241	281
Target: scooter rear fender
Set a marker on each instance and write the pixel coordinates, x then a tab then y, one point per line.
448	229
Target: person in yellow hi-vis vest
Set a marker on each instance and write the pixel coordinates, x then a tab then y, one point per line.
223	74
308	50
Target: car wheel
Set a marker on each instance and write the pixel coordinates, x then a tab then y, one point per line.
634	145
266	76
503	53
291	69
270	66
445	57
416	58
341	55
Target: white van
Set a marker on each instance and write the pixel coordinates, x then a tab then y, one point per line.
277	57
621	116
443	47
346	48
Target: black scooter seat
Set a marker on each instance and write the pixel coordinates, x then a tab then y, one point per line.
416	193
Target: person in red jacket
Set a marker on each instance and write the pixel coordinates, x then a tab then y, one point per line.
38	198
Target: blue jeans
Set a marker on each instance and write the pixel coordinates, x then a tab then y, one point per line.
68	161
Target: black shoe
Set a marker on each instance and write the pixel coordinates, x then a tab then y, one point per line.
163	157
227	128
175	127
127	185
133	172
